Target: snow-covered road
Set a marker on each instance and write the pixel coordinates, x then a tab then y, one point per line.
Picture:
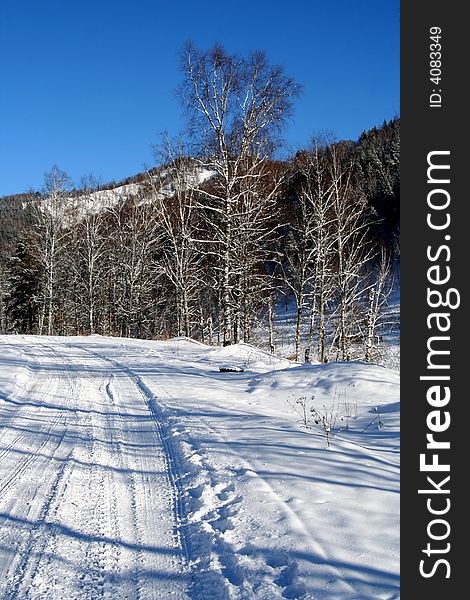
133	469
89	506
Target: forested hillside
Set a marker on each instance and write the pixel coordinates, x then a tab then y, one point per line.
209	242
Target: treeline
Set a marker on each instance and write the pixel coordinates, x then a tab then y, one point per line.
220	232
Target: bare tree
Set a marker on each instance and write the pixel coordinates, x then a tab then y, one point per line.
51	233
91	246
235	107
353	252
132	279
317	191
298	260
378	291
178	229
257	223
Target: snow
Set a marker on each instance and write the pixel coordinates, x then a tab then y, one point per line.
96	202
100	200
135	469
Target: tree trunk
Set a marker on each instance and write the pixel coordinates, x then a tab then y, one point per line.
371	318
238	322
186	321
50	305
227	258
300	305
321	324
271	324
247	312
201	324
210	325
313	310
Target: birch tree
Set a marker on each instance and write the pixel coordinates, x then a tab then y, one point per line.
180	258
379	290
298	260
91	247
235	106
51	233
132	279
317	189
257	222
353	250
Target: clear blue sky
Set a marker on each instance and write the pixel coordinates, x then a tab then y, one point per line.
90	85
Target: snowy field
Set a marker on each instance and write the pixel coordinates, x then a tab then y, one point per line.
135	469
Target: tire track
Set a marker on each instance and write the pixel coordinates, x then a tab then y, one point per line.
14	476
142	500
30	389
39	534
43	475
102	516
168	456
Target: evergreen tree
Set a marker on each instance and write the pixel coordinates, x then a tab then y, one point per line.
23	285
